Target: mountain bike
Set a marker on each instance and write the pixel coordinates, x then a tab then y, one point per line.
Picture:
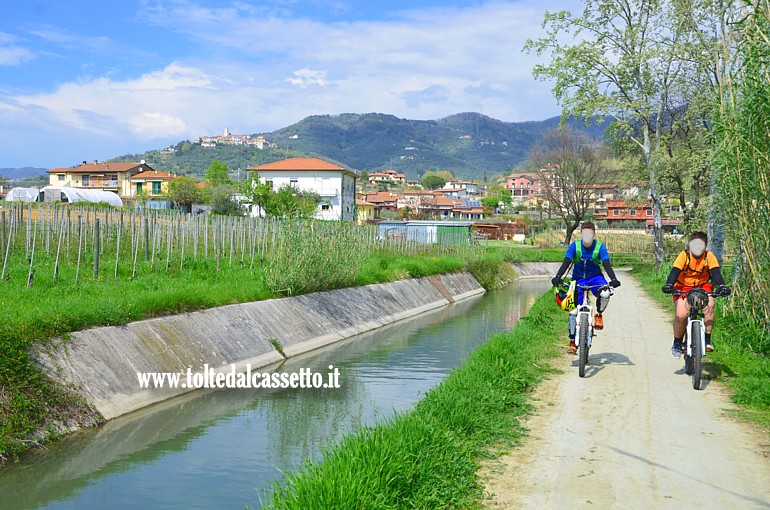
584	324
695	345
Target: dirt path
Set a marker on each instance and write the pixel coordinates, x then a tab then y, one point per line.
633	434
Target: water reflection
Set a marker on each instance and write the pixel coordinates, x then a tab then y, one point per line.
220	449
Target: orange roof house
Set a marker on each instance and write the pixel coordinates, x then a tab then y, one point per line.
114	177
151	182
335	184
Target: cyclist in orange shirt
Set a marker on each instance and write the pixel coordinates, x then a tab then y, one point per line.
694	267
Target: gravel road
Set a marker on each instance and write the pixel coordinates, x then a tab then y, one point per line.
633	434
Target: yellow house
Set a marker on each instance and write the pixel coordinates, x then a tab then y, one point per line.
114	177
152	182
365	211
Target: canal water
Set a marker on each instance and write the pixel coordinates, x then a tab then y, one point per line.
222	449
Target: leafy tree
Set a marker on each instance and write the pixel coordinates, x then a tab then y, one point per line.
183	192
496	194
364	176
433	181
625	65
217	174
568	164
289	202
285	202
222	201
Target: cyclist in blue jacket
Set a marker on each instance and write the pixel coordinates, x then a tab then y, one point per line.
588	256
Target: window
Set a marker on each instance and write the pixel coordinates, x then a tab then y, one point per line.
269	183
633	212
294	183
86	181
139	186
62	177
649	212
615	212
156	188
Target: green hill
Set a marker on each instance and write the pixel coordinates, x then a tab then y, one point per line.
470	145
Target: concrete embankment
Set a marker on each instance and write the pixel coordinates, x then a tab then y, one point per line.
102	363
536	269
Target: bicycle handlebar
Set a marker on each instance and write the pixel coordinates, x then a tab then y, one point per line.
713	293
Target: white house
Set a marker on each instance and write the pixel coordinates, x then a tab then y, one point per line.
334	184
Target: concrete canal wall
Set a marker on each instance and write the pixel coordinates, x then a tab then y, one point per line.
536	269
102	363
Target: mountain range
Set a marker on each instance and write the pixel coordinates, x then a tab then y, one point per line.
469	145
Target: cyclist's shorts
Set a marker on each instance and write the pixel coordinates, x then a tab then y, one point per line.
684	288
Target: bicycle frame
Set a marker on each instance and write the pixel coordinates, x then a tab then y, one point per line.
584	324
585	311
695	345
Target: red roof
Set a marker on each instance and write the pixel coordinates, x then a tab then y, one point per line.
294	164
381	197
363	203
98	168
153	174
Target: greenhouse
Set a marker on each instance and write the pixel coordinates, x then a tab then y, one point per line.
22	195
72	195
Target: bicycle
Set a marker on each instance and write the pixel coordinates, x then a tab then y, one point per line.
695	344
584	324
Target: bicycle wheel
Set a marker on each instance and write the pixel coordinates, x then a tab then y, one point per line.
688	357
583	346
697	356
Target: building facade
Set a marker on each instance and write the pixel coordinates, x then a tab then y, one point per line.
334	184
113	177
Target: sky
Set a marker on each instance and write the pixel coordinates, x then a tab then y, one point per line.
85	80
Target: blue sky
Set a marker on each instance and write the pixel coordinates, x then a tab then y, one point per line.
84	80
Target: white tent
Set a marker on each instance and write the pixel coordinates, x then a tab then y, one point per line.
72	195
22	195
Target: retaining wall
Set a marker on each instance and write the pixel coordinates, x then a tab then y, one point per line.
102	363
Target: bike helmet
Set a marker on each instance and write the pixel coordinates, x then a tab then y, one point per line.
565	298
697	299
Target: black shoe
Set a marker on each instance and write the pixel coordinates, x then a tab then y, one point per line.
676	349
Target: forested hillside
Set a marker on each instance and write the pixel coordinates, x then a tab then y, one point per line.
470	145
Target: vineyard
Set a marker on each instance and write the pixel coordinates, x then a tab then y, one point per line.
45	244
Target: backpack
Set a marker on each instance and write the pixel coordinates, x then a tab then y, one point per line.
687	262
579	252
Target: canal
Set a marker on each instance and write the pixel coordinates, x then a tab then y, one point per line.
222	449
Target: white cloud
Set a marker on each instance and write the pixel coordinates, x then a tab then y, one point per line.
253	68
151	106
306	77
151	125
11	54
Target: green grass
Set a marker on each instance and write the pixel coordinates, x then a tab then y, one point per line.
742	356
428	458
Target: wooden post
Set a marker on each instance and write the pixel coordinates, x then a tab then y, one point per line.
96	248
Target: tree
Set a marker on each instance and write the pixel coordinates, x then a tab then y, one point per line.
222	201
433	181
624	65
568	165
496	194
364	176
183	192
285	202
217	174
289	202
